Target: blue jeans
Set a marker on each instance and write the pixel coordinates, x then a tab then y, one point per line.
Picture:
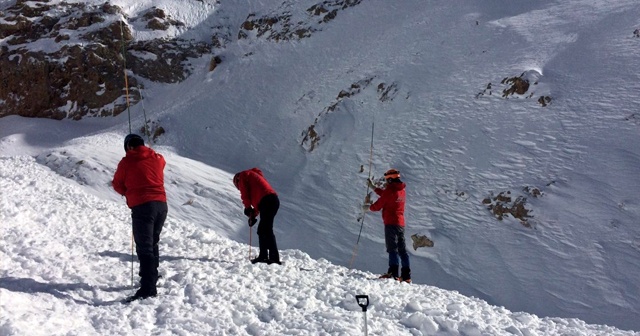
396	247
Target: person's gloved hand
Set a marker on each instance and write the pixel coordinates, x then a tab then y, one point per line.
370	184
252	221
367	199
248	212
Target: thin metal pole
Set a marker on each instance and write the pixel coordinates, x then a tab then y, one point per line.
124	68
355	248
366	332
131	256
126	88
147	130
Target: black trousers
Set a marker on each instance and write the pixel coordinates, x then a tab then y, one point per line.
148	220
268	208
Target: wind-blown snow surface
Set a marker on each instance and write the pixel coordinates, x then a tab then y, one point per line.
581	258
65	268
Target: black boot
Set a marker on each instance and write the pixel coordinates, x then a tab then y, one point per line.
263	255
272	248
148	279
260	259
405	275
142	293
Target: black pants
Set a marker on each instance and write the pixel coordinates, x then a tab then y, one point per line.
268	208
148	219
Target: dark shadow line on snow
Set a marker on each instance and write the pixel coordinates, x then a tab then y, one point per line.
31	286
125	257
202	259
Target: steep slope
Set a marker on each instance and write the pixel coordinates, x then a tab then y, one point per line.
416	70
66	265
435	80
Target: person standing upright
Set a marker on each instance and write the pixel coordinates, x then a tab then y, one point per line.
260	199
391	202
140	178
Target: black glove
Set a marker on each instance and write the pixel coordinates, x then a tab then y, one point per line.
248	212
252	221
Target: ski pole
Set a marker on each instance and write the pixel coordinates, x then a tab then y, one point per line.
363	302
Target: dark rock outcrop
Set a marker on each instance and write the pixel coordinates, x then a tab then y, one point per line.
77	68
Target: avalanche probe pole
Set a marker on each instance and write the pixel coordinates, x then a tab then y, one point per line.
126	88
364	213
250	234
363	302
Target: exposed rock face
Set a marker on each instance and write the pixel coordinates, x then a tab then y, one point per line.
35	85
283	26
76	66
77	69
386	93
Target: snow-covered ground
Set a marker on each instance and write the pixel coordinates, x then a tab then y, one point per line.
415	70
66	266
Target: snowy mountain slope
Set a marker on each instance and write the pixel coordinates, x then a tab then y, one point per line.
67	264
453	146
446	142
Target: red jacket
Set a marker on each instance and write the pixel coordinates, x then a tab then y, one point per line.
140	176
253	187
391	202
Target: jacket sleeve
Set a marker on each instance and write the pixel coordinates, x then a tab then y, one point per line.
162	160
379	204
378	191
118	180
245	194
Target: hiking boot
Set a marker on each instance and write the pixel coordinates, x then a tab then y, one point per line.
141	294
260	260
405	274
388	276
392	272
274	262
404	280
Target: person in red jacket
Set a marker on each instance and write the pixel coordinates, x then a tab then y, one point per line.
391	202
140	178
259	199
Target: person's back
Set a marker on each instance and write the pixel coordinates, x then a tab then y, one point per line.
260	199
140	178
253	187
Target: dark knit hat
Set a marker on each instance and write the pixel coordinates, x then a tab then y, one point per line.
133	140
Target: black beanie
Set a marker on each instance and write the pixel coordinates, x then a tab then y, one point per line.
133	140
